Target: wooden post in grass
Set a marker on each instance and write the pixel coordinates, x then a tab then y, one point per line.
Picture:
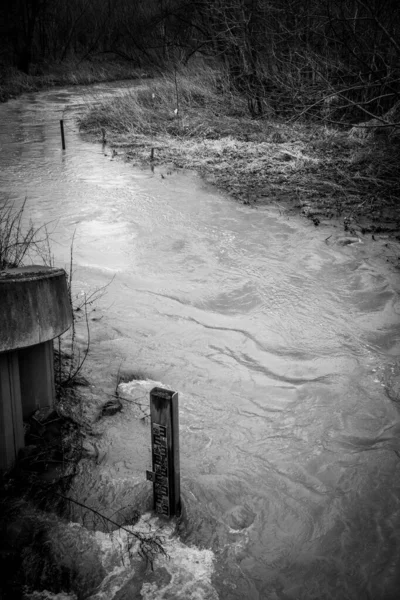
62	134
165	452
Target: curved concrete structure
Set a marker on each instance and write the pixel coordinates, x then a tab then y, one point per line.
34	306
34	309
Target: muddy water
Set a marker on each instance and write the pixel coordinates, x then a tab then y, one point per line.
282	346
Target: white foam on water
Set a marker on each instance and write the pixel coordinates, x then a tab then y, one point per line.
139	392
183	572
144	385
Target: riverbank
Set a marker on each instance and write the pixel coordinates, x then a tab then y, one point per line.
13	82
330	175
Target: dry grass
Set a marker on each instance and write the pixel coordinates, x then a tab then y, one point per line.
186	104
14	82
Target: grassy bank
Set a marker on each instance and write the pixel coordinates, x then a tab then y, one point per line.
193	120
46	75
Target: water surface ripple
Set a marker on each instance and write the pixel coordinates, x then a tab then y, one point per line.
279	344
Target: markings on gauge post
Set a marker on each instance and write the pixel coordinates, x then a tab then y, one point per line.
164	412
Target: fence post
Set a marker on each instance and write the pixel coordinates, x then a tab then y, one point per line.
165	452
62	134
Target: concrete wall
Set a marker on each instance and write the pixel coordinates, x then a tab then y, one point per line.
34	309
11	423
34	306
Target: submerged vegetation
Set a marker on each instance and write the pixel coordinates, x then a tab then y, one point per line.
41	549
191	118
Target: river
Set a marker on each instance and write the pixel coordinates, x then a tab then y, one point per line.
280	343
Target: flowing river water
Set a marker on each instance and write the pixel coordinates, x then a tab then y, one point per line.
283	347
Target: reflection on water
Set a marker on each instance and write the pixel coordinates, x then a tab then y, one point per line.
279	345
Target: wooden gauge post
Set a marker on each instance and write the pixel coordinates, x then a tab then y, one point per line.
165	452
